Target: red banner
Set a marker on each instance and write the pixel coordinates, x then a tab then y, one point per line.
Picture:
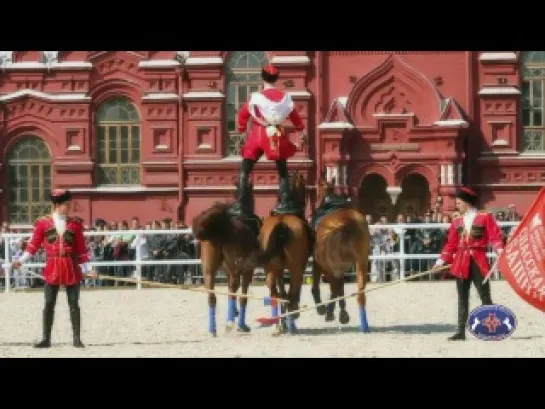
522	263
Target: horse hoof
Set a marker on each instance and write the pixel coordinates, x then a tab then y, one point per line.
293	330
229	327
344	318
321	309
365	330
243	328
278	331
329	317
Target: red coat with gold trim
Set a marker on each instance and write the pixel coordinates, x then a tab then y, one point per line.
63	257
269	107
461	246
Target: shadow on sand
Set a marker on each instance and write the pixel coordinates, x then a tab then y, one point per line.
105	344
375	329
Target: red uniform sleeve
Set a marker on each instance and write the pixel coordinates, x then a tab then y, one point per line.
37	238
80	248
296	120
451	246
495	235
243	118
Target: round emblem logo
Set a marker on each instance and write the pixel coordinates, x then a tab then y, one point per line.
492	322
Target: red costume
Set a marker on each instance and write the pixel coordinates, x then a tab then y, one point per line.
66	256
462	245
268	109
467	241
63	255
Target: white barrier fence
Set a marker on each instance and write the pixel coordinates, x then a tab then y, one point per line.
399	252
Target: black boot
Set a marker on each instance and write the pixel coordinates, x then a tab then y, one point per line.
75	318
286	205
460	335
47	325
240	207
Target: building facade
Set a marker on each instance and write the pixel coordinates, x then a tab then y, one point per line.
153	133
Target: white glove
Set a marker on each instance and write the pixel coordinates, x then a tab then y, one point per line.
439	263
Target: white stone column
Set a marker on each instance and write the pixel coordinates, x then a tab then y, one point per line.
450	174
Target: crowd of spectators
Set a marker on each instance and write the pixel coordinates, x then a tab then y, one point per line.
123	247
421	241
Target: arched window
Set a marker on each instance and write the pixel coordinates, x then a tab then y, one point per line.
533	84
243	78
118	142
29	180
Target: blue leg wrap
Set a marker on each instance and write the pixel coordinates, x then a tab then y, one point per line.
292	329
231	308
274	311
364	326
212	319
242	316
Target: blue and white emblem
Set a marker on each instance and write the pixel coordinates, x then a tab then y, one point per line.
492	322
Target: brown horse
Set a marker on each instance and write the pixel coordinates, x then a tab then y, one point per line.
227	242
342	241
287	242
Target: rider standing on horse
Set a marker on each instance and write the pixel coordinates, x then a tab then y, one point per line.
267	110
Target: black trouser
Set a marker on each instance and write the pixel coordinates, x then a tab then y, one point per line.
281	167
72	296
463	287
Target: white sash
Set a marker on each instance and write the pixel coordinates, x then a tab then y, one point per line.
274	113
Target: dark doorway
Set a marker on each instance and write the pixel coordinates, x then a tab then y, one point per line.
415	197
373	198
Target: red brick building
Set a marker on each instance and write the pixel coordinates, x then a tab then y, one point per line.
152	133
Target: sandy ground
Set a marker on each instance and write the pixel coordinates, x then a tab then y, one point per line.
407	320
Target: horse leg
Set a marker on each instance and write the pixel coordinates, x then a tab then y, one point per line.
361	272
334	289
344	317
296	281
316	278
246	280
273	292
211	260
233	285
284	297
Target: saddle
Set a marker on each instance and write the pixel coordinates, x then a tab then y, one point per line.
330	203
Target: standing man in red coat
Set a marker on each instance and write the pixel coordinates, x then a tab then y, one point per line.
66	258
267	110
467	241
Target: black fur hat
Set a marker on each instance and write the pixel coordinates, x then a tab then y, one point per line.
467	195
269	74
59	196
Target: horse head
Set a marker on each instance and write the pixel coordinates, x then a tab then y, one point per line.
325	188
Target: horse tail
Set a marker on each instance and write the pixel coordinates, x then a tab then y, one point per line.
214	224
340	247
278	239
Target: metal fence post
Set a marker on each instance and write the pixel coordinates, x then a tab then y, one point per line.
7	272
138	257
402	254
